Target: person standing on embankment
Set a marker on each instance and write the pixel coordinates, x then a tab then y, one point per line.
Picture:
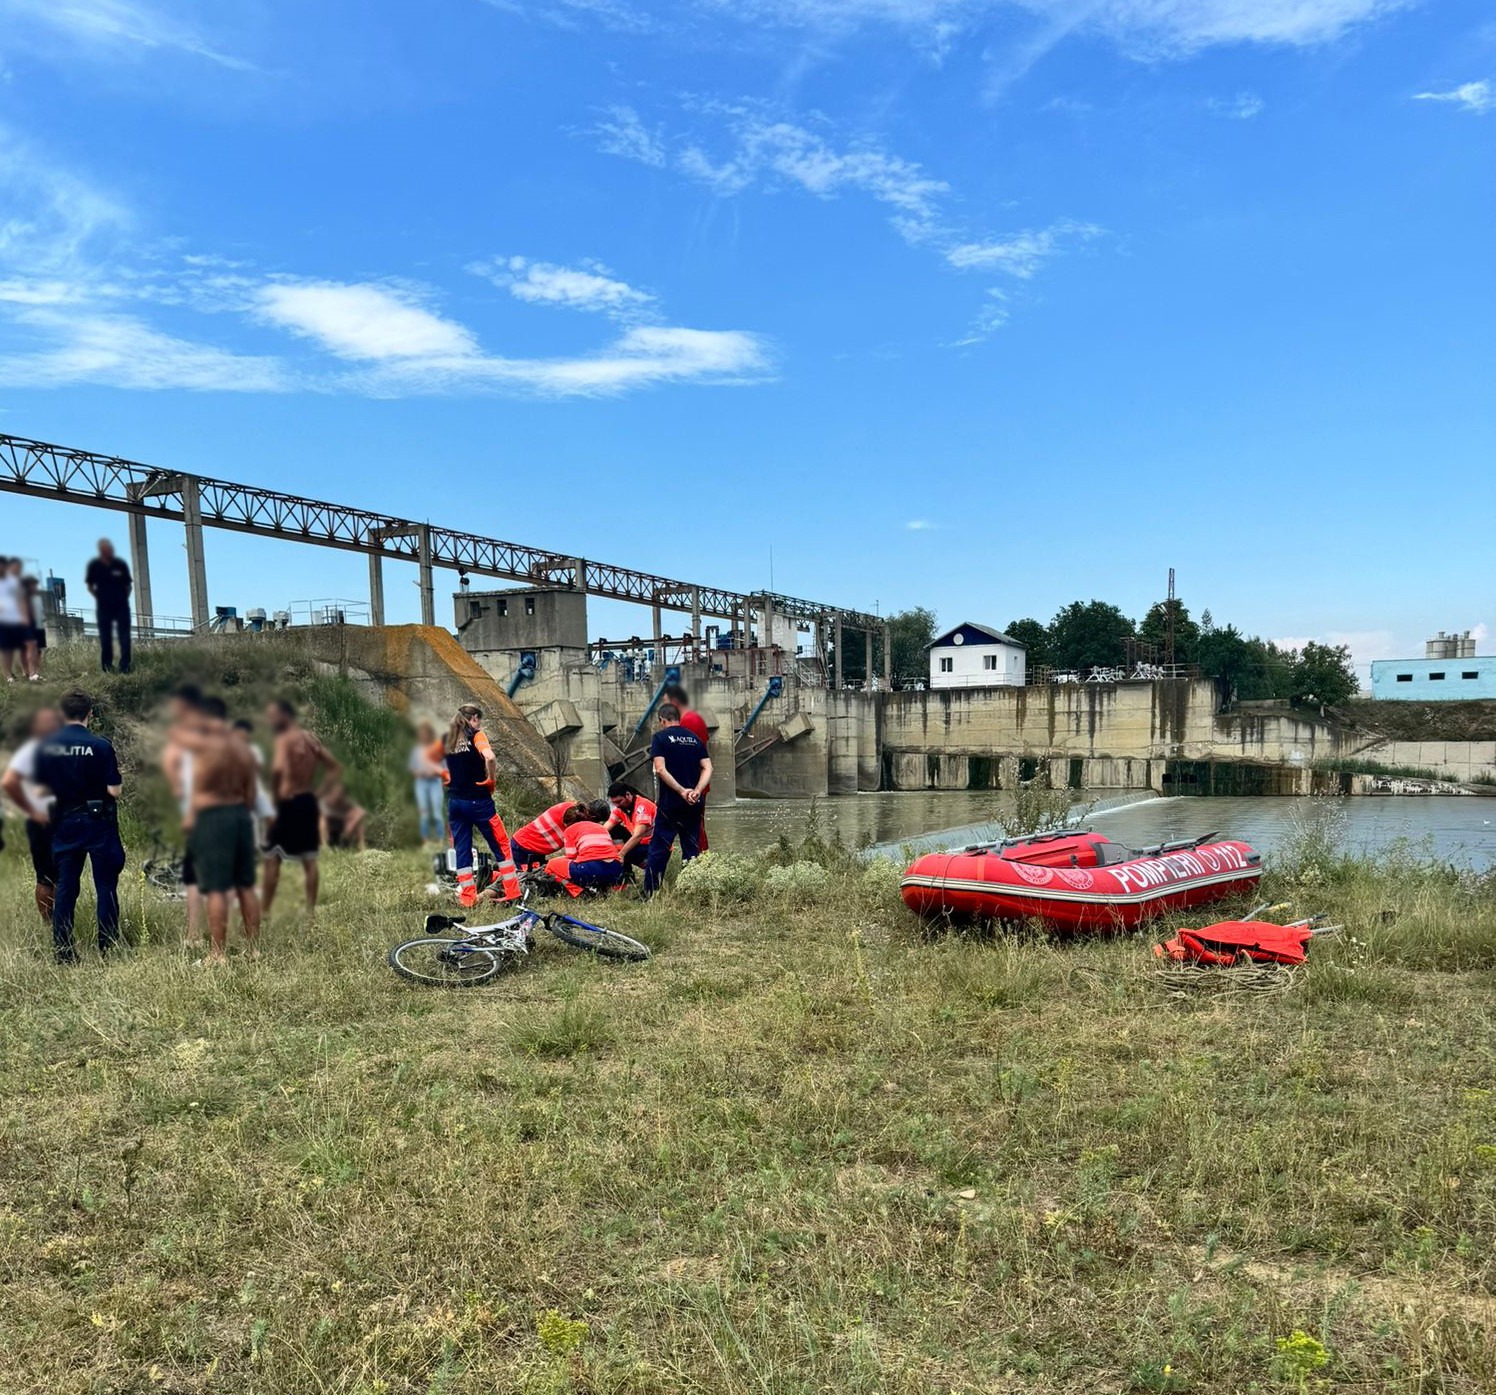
109	582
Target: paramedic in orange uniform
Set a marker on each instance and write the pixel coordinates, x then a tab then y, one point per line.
471	768
633	816
591	861
538	839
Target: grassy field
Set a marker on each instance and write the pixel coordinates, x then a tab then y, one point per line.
806	1149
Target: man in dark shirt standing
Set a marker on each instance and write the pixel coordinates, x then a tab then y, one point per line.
683	770
108	580
82	773
694	723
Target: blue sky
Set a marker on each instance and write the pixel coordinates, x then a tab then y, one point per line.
986	305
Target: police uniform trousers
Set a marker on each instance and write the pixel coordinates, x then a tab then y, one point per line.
79	836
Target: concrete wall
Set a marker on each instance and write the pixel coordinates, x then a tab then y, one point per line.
1123	735
423	672
1453	760
518	620
1164	735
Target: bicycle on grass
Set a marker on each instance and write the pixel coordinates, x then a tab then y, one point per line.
163	869
474	955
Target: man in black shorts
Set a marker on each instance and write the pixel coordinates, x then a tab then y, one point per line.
31	799
295	833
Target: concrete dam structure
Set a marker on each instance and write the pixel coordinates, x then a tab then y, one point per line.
780	729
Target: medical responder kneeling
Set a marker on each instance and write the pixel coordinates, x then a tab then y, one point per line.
591	860
82	772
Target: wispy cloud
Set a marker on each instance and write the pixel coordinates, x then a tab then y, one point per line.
111	28
1476	97
988	320
1143	27
124	352
921	525
1242	107
80	289
752	147
591	286
1021	254
622	133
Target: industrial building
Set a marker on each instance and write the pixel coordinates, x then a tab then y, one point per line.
974	656
1449	671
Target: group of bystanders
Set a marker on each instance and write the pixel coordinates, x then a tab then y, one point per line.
66	782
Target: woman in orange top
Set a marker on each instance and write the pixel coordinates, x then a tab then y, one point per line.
591	861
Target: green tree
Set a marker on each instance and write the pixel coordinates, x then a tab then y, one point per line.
1323	674
1089	634
1035	639
911	633
1154	629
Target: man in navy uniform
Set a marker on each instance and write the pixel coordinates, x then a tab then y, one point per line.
82	772
683	771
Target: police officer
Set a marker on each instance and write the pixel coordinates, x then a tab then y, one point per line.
82	772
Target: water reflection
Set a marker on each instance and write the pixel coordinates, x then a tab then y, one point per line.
1461	830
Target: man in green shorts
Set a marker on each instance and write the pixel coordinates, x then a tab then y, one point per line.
221	830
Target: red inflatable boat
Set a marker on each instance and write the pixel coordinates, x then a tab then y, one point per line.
1078	880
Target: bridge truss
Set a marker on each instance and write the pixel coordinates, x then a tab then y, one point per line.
43	470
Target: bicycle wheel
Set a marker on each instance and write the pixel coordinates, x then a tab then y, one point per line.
607	944
444	963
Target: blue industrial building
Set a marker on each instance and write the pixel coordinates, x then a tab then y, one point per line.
1450	672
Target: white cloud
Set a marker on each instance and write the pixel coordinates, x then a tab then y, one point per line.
123	352
111	27
921	525
1476	97
362	321
623	133
990	318
74	288
589	287
766	151
1242	107
1023	253
769	151
1145	28
641	357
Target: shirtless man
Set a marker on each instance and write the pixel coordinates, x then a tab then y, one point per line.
295	832
186	708
221	830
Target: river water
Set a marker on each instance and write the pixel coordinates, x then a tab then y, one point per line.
1450	829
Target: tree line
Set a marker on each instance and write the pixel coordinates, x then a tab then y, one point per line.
1087	635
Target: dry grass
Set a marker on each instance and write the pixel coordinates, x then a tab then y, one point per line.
802	1150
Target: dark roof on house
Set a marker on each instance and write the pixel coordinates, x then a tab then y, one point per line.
974	634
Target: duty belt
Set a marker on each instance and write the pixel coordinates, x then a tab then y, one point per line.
94	808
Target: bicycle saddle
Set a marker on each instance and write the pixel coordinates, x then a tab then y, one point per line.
435	923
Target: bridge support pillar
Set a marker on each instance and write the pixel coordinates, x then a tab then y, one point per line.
836	662
887	657
140	570
696	613
376	589
766	623
867	661
197	563
428	589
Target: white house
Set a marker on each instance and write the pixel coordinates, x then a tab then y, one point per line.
973	656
